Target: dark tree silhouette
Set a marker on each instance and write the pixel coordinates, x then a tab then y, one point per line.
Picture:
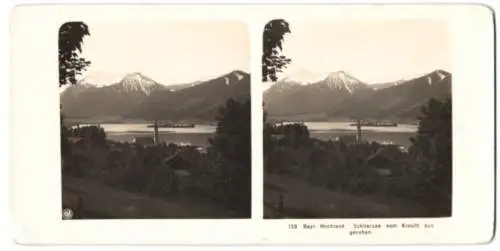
231	145
295	134
268	143
267	134
71	63
232	135
272	60
65	147
93	134
432	150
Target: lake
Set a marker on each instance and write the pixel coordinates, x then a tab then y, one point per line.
400	134
197	135
200	134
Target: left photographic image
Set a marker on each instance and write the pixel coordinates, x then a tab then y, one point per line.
155	119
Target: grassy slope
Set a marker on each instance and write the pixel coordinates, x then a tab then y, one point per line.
108	202
304	200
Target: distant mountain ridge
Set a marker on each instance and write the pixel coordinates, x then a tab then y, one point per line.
137	96
289	97
340	95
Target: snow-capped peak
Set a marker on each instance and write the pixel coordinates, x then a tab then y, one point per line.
233	77
338	80
341	80
429	80
138	82
441	75
238	76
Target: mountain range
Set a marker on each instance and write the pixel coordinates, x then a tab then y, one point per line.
139	97
339	95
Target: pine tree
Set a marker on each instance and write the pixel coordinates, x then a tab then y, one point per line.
432	152
272	60
71	63
231	145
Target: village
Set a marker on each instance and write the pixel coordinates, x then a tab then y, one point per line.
348	177
181	174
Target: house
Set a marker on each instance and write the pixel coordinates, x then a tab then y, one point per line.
382	164
116	146
177	162
347	139
383	172
182	173
379	159
145	141
79	145
75	140
402	149
181	168
277	136
201	149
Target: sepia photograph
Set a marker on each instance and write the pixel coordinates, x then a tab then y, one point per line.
155	119
236	124
357	119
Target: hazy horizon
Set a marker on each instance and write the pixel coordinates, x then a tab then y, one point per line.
374	51
169	52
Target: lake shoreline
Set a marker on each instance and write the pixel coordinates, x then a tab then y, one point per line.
298	118
200	134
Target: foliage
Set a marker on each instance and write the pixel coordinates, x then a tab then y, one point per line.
222	174
295	134
272	60
232	136
267	135
71	63
231	146
64	137
420	176
432	153
95	135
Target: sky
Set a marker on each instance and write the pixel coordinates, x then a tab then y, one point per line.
169	52
372	51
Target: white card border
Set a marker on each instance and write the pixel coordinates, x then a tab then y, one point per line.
34	186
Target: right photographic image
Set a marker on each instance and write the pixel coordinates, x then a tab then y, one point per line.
357	119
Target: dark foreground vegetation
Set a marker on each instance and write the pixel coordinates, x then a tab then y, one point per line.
311	178
106	179
198	182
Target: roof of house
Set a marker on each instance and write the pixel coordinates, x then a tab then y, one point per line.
170	157
177	161
383	171
379	159
277	136
182	172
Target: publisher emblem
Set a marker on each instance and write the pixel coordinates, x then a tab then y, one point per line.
67	214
